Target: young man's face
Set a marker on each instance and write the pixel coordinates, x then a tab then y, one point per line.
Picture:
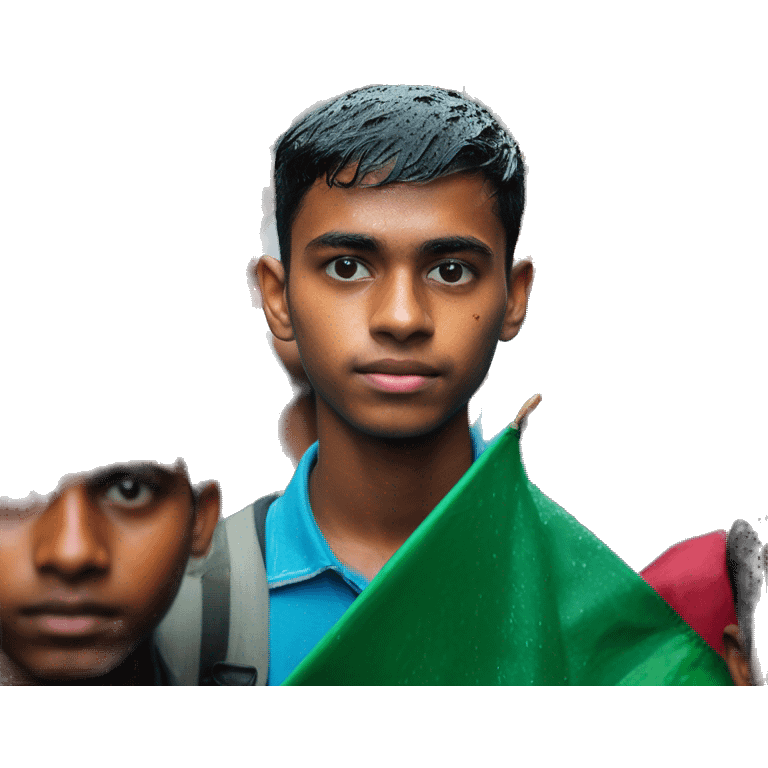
88	572
398	295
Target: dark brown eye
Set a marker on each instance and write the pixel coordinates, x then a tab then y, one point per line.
129	488
129	492
451	272
344	268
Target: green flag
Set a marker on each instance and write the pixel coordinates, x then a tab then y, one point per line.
500	586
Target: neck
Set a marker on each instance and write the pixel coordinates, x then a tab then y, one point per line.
369	494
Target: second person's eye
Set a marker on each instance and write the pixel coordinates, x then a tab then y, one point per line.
129	492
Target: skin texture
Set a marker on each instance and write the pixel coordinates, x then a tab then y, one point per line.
106	551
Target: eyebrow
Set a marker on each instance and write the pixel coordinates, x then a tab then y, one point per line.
146	470
439	246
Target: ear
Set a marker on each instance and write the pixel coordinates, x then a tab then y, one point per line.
207	514
519	288
253	283
736	656
271	279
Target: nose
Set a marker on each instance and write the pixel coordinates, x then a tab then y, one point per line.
400	308
69	539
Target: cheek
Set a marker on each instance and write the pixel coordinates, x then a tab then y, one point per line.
472	344
150	563
324	336
16	565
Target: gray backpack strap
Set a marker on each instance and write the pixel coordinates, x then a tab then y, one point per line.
178	636
217	630
247	657
248	652
217	586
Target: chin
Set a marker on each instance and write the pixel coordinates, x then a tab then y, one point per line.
70	665
401	429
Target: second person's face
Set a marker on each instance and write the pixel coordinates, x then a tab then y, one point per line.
87	573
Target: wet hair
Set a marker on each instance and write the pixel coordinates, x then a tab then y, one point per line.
745	559
422	132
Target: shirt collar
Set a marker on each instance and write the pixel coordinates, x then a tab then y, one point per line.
296	548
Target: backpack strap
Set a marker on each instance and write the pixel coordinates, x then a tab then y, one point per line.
217	629
247	652
216	585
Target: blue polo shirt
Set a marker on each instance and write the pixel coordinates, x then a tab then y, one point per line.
309	588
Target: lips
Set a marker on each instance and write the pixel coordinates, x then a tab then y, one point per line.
69	626
68	615
387	382
398	368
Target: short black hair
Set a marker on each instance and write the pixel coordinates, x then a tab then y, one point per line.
745	559
422	131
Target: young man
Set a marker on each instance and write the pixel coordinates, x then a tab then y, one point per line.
397	295
87	572
398	209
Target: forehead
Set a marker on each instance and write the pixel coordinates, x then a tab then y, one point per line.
148	470
402	213
139	468
130	464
